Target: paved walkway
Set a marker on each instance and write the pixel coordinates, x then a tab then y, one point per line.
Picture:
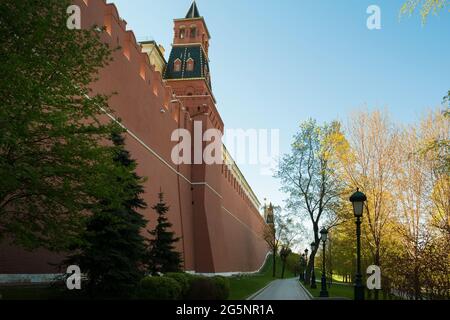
288	289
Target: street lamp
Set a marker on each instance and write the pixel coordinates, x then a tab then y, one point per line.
323	238
358	199
313	274
306	265
301	267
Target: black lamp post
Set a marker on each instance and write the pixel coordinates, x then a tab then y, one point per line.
313	274
323	290
358	199
306	265
301	267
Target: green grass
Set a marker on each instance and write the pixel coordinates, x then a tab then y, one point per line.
339	290
241	287
336	290
30	293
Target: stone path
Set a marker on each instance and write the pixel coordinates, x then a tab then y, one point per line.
288	289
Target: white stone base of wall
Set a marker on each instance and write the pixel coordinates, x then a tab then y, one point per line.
232	274
24	279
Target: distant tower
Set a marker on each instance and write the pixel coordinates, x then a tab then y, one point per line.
268	214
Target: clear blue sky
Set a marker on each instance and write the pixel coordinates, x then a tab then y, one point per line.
275	63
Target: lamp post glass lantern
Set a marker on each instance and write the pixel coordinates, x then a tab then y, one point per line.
357	200
323	289
324	235
313	274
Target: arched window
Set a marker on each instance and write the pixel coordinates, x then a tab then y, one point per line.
190	64
182	33
193	31
177	65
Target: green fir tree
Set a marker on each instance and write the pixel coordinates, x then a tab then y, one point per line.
162	257
112	248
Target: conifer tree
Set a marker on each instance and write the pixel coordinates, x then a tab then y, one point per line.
112	248
162	257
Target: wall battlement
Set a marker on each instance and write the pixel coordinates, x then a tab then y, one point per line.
132	50
212	208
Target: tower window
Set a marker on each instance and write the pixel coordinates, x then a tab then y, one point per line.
182	33
193	32
190	64
177	65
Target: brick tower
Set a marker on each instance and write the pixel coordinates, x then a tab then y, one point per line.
268	214
188	70
188	74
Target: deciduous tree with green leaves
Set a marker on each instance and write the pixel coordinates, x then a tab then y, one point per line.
53	165
427	7
282	232
284	255
307	176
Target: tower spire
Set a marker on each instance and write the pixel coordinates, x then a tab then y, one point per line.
193	11
189	56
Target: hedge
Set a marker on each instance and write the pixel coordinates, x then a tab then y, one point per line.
174	286
183	279
203	288
159	288
222	288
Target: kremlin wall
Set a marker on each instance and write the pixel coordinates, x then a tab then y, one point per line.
212	207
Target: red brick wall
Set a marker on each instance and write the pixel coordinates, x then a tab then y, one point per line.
221	231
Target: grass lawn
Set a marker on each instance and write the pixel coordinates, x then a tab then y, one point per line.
241	287
336	290
30	293
339	290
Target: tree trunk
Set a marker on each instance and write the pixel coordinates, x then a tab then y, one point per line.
310	267
377	263
308	271
283	268
274	257
313	254
417	293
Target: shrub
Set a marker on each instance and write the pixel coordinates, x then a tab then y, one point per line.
159	288
203	288
222	288
192	278
183	279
